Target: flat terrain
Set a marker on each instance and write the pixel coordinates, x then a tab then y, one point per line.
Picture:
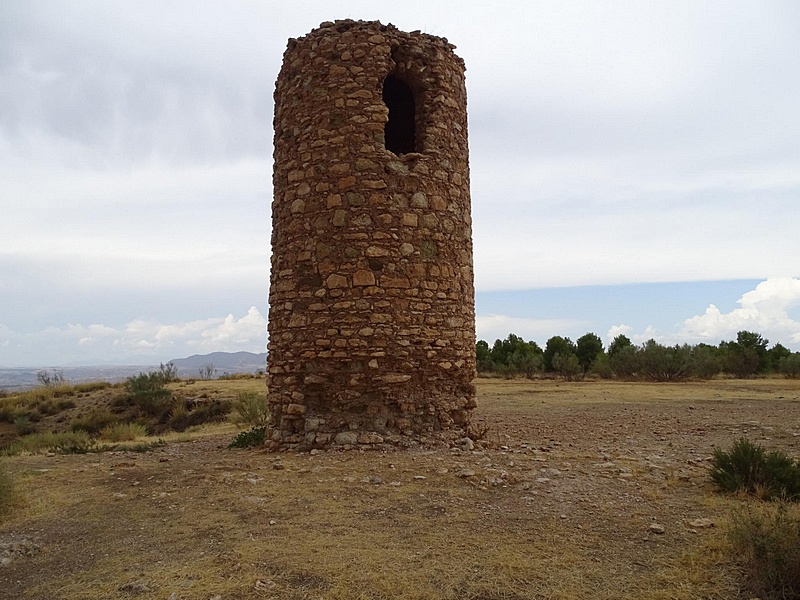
585	490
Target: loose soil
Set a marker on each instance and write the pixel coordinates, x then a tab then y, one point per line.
580	490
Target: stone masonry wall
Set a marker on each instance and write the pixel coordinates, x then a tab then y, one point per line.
372	318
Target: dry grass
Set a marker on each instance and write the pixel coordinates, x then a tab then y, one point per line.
562	512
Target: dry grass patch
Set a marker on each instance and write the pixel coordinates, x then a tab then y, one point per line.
559	508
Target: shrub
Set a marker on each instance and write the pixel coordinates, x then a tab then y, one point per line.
749	468
50	379
23	426
251	437
123	432
207	371
567	365
148	392
790	365
251	408
76	442
169	372
664	363
6	493
182	418
625	361
94	422
766	541
90	386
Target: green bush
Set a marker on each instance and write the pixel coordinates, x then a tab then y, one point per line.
148	392
94	422
790	366
251	408
749	468
23	426
248	439
567	365
766	542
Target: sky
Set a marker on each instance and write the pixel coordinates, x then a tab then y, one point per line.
635	169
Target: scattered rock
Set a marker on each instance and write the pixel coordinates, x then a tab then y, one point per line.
464	474
701	523
656	528
466	444
346	438
264	586
10	551
137	587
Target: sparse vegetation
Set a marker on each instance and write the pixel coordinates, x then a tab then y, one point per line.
148	392
6	493
550	507
75	442
765	540
750	468
52	378
250	438
123	432
207	371
94	422
168	372
251	408
790	366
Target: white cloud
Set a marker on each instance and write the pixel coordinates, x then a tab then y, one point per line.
493	327
139	341
764	310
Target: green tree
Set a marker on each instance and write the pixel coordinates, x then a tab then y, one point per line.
665	363
567	365
754	341
601	367
626	361
513	356
705	361
776	353
587	349
747	356
483	357
557	345
790	365
619	343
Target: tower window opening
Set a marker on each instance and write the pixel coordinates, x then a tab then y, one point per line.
399	133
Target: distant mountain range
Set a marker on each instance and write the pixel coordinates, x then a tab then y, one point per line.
223	363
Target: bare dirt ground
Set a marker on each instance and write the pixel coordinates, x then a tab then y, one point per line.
587	490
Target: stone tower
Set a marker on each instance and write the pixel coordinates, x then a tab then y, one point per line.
372	311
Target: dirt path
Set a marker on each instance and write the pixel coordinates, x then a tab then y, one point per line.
588	490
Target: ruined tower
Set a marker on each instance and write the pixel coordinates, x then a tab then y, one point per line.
372	314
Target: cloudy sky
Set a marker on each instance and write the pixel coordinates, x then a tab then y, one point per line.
635	169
